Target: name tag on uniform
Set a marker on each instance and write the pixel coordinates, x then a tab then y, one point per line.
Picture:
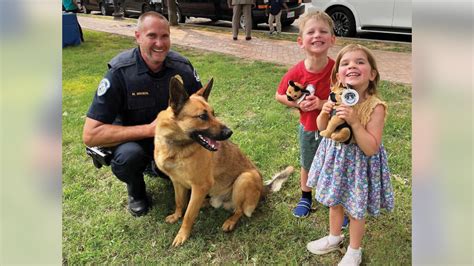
140	93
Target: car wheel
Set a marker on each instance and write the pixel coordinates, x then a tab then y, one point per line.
344	22
159	8
181	18
85	10
287	23
146	8
103	10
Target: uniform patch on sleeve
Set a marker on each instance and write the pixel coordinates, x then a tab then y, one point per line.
196	76
104	85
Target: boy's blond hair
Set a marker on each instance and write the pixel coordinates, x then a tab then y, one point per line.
316	15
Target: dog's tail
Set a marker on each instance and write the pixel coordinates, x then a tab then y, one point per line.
274	184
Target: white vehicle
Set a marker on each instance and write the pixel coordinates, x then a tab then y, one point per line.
356	16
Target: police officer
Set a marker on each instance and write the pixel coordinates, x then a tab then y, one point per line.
128	99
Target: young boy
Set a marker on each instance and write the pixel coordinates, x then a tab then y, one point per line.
316	36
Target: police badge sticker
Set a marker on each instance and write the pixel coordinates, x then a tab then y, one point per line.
104	85
350	97
196	76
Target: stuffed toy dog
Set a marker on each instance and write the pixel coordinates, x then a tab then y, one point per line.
296	92
338	129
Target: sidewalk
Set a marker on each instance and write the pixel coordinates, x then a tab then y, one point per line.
393	66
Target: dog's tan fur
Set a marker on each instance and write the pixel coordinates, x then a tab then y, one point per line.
226	175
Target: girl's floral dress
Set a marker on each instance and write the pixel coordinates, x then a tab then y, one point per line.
343	174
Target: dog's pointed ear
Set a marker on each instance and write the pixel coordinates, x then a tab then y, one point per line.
178	95
204	92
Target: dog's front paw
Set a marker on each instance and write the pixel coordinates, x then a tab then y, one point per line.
173	218
228	225
180	238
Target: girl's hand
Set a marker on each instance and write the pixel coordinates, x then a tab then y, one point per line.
348	114
310	103
327	107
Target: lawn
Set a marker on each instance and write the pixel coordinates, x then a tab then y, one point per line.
98	229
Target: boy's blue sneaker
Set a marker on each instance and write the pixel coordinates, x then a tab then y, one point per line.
303	208
345	223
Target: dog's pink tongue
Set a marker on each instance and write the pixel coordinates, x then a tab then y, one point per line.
214	143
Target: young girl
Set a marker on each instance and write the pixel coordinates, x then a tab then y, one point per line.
352	177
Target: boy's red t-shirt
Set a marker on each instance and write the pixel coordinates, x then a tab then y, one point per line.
321	82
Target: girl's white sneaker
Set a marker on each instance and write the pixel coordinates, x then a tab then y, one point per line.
351	258
322	246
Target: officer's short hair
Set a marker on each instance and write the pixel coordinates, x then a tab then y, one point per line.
151	14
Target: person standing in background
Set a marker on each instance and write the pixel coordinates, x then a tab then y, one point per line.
71	6
275	7
241	7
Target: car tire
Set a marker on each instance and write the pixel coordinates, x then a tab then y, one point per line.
104	11
85	10
287	23
146	8
181	18
159	8
344	22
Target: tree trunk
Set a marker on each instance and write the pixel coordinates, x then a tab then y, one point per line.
118	14
172	16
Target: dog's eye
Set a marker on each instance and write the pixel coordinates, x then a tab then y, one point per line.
204	117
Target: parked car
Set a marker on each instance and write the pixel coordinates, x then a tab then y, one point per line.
138	7
218	10
106	7
357	16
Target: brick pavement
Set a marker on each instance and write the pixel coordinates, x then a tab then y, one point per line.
393	66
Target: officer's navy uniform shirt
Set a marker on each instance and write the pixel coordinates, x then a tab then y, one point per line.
130	94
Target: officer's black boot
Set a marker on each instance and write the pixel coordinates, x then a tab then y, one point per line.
128	163
138	206
138	203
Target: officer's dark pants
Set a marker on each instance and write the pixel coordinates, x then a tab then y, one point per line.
129	161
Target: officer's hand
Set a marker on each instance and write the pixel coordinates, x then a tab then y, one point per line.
152	127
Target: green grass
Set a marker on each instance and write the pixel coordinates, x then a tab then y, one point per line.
289	36
98	229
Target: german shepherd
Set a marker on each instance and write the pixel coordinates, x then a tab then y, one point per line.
191	147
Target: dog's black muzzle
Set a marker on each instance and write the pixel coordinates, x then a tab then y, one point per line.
225	133
210	141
